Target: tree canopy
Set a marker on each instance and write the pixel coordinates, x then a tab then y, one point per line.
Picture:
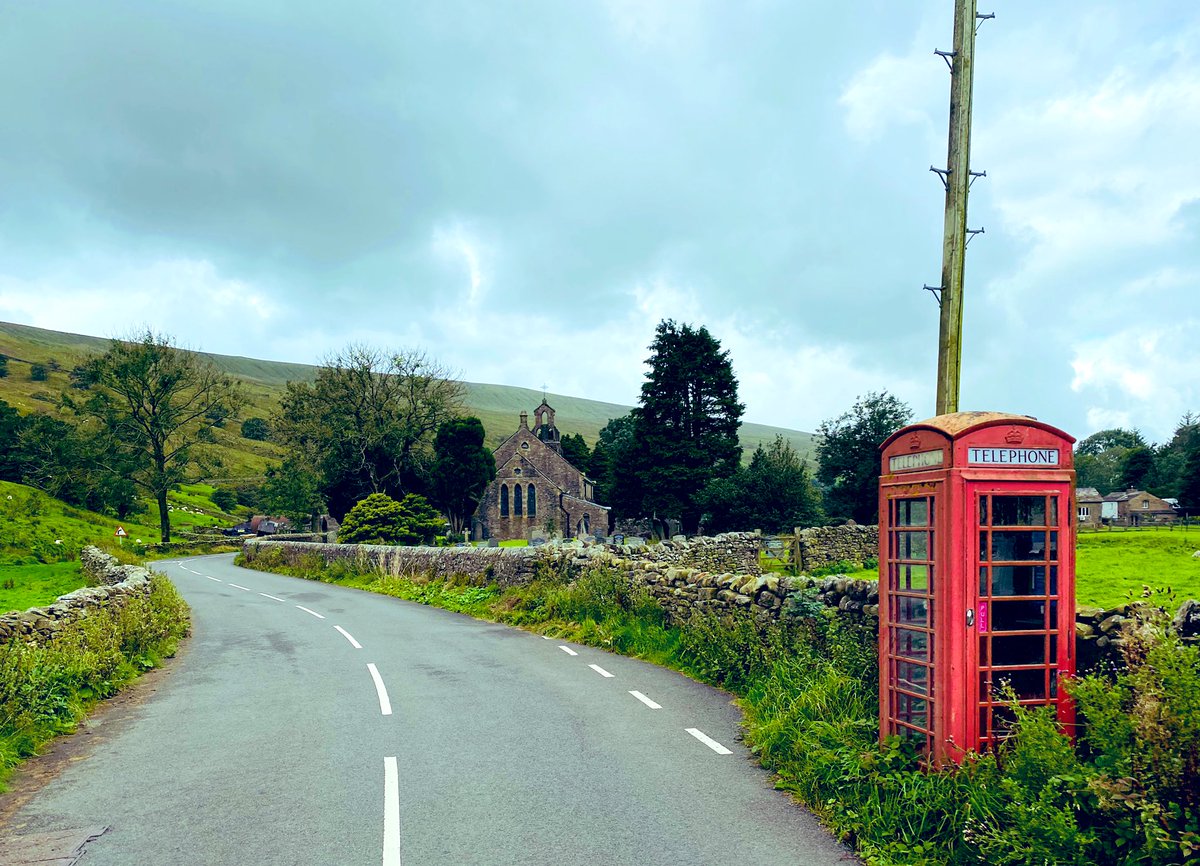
379	519
462	469
366	424
154	403
775	493
685	427
848	454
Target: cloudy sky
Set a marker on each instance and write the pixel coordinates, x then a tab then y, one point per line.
525	189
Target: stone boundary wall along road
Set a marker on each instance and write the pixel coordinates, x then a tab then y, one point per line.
719	574
114	583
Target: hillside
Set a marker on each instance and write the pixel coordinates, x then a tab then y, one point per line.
498	406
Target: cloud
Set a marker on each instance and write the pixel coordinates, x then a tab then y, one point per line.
894	91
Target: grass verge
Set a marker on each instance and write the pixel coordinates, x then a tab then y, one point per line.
46	690
26	586
1127	791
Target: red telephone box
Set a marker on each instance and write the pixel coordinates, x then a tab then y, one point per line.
977	577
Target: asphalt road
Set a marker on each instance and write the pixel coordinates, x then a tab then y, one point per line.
313	724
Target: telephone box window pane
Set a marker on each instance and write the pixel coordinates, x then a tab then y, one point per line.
1014	546
1002	721
1018	580
1018	511
1054	545
983	510
914	678
985	686
912	611
912	711
913	644
1028	685
1053	624
912	512
983	546
1054	580
983	652
983	581
1053	649
910	578
1018	615
1023	649
1054	682
912	545
1053	511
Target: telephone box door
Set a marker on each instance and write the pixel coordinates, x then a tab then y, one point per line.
1020	644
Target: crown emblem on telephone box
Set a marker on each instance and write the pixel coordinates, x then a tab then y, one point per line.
1015	436
914	441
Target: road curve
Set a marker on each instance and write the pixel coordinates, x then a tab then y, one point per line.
313	724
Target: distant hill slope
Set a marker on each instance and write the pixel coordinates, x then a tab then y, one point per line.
498	406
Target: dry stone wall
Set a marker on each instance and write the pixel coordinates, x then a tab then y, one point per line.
719	574
821	546
115	585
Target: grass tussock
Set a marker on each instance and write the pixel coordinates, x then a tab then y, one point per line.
46	690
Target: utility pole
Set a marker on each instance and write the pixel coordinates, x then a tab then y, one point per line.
957	178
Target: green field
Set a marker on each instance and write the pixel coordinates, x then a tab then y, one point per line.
1113	566
26	586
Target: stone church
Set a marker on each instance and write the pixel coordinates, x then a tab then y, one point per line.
536	488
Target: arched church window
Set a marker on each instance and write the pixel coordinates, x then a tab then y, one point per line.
517	500
524	446
504	500
531	511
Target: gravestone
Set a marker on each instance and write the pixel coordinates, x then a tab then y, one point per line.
636	541
537	542
618	539
600	539
493	543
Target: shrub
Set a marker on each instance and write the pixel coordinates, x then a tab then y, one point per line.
256	428
45	690
379	519
225	499
38	372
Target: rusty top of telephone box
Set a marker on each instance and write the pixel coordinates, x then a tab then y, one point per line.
1021	441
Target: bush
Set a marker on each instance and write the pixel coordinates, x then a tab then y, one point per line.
256	428
379	519
38	373
225	499
45	690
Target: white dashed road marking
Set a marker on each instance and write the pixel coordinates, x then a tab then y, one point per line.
391	813
313	612
385	705
275	597
236	586
709	741
217	579
568	650
600	670
349	637
645	700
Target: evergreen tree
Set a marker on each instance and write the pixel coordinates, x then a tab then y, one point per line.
379	519
576	450
1189	482
775	493
616	485
1136	467
848	454
686	423
462	469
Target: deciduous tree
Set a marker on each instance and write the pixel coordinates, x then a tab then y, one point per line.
152	400
367	422
848	454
